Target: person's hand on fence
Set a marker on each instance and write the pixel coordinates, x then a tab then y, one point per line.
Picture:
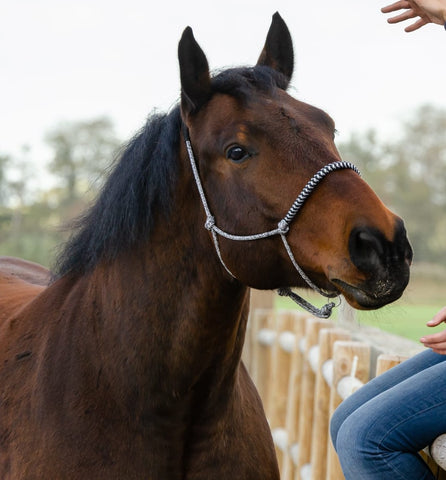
436	341
427	11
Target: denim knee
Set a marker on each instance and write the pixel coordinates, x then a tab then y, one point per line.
354	439
363	456
336	421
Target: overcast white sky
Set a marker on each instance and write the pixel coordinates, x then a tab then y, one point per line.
77	59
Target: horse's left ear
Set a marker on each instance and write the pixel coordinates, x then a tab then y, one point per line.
194	74
278	51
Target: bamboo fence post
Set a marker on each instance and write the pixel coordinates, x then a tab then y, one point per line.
345	354
259	299
313	327
277	389
279	373
327	338
264	334
386	361
295	337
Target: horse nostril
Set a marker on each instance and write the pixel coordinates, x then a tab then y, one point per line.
366	247
368	242
370	250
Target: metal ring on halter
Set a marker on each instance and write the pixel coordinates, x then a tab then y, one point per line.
282	228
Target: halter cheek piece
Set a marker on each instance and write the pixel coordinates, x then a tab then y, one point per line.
282	229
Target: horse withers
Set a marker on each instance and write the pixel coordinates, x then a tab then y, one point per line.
127	366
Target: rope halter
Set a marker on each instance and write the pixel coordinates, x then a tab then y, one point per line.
282	229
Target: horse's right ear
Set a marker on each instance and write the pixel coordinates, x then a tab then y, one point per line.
194	74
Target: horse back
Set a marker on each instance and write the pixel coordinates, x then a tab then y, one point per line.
15	293
25	270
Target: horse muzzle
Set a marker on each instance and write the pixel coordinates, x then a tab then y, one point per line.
383	266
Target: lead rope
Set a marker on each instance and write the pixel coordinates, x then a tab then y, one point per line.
282	229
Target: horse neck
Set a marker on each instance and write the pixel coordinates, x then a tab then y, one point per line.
166	314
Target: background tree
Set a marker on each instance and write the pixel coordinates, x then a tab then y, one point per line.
4	159
31	218
4	211
409	174
368	154
81	151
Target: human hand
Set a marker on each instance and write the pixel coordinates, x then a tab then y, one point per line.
436	341
428	11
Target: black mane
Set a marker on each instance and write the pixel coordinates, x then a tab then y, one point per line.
143	178
140	183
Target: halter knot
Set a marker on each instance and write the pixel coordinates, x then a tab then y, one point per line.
283	227
210	223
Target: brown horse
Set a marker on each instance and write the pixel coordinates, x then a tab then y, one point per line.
127	366
28	271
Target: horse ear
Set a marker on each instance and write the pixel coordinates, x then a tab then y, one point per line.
194	74
278	51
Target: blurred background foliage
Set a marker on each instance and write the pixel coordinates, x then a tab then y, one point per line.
35	210
408	172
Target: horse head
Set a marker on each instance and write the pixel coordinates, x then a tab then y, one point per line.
256	147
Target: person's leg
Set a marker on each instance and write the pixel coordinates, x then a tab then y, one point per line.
381	438
383	382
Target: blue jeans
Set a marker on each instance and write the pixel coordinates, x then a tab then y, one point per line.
378	430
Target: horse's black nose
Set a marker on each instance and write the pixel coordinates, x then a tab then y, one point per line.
370	251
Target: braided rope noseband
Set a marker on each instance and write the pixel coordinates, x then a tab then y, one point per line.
282	229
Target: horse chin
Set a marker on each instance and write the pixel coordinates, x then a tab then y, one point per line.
363	298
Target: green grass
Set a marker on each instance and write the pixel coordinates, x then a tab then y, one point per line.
424	297
403	319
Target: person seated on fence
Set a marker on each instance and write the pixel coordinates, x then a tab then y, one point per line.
379	430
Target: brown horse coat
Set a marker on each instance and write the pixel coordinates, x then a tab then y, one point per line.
127	366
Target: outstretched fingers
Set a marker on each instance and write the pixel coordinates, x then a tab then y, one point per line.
438	318
400	5
432	11
408	14
436	341
402	17
415	26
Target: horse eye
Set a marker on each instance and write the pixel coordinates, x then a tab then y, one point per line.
237	154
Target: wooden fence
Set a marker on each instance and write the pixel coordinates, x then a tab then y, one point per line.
303	368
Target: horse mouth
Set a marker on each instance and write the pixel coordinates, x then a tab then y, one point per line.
366	299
